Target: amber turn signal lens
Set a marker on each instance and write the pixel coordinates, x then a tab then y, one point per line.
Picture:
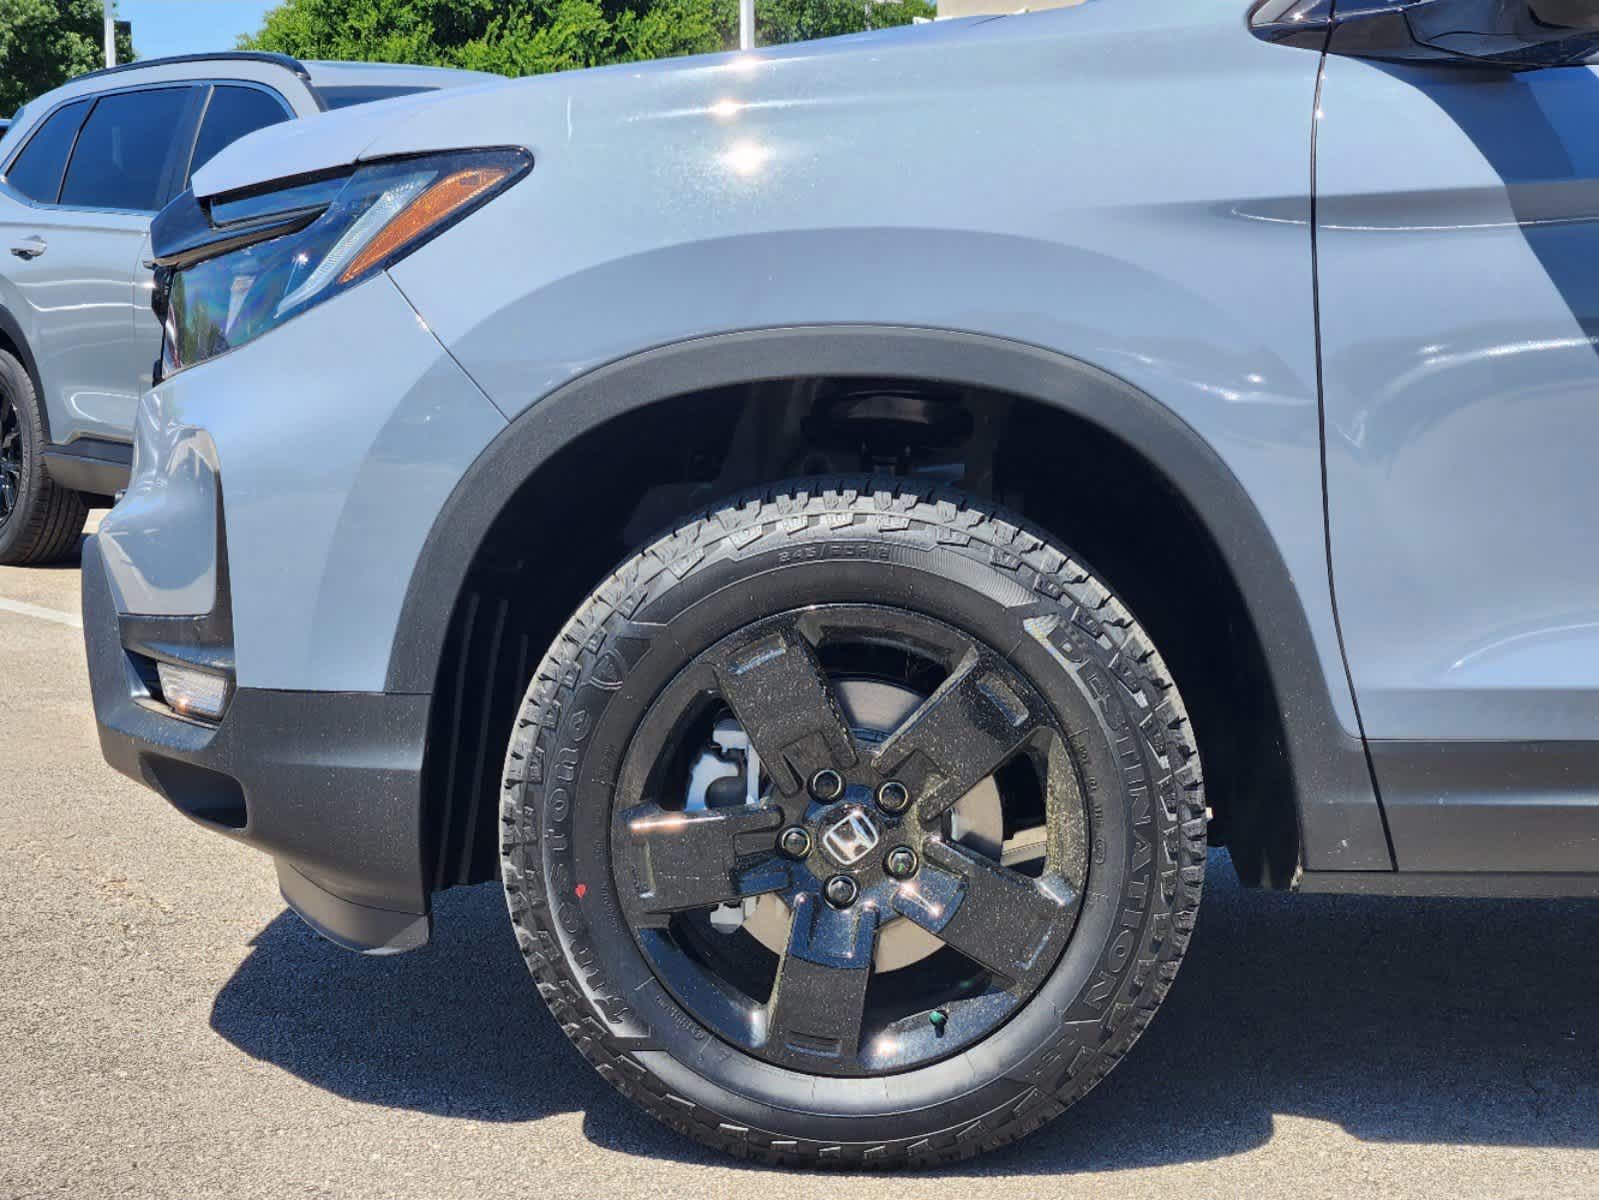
438	203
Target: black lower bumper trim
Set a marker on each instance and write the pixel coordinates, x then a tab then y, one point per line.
354	926
94	466
330	782
1498	885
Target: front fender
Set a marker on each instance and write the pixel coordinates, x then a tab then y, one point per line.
1055	204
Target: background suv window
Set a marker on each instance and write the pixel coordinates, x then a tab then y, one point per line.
36	172
349	95
122	153
232	113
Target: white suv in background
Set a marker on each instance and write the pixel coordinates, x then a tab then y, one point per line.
82	171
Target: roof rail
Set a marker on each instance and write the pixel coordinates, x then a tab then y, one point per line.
256	56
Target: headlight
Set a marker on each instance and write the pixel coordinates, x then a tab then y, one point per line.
242	265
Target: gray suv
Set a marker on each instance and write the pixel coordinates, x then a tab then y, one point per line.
82	171
800	520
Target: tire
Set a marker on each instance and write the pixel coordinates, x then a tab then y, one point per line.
40	522
1002	638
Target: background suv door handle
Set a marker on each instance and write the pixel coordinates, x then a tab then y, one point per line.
29	247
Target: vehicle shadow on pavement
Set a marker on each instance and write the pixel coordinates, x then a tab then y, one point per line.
1456	1022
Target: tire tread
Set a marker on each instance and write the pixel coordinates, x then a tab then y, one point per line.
950	518
49	519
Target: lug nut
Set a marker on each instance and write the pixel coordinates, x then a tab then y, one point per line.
901	862
827	785
794	842
840	891
893	797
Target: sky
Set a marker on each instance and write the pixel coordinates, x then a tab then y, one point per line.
162	27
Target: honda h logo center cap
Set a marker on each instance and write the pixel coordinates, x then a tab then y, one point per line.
850	839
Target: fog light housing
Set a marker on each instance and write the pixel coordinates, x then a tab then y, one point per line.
192	692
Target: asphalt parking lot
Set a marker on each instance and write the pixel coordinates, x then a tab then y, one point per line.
168	1029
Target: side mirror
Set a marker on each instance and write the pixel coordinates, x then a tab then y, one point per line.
1515	35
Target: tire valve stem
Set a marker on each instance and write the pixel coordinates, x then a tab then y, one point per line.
938	1018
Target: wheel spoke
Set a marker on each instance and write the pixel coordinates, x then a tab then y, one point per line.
10	459
782	698
965	731
818	1001
999	918
680	861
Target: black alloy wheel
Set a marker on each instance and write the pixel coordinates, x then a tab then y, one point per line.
883	842
855	823
10	458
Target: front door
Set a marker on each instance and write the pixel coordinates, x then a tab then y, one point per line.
78	293
1457	243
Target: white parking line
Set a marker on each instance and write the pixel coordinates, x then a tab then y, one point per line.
42	614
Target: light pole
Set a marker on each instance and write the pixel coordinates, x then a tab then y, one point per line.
110	7
746	24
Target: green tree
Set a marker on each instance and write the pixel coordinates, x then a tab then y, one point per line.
44	43
778	21
513	37
529	37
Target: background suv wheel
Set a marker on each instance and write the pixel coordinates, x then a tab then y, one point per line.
853	823
39	521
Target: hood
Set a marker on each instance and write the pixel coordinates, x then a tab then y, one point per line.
318	143
522	112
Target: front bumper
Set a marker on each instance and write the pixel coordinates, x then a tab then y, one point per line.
328	783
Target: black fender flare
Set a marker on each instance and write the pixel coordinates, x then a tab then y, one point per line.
13	334
1340	822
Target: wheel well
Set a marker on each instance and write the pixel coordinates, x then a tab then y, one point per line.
12	344
611	489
